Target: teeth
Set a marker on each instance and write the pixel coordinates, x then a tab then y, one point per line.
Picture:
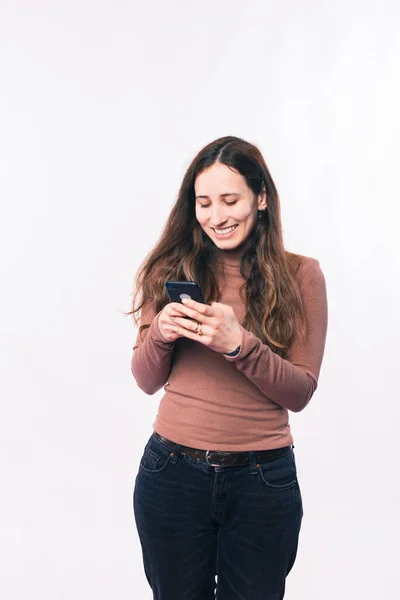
227	230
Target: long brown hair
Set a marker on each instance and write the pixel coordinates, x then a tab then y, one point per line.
184	252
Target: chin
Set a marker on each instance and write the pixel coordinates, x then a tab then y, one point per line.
228	245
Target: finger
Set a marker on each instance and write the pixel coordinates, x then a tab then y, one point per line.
181	331
181	309
185	323
200	307
172	305
174	309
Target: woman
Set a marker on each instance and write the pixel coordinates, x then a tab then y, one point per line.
217	492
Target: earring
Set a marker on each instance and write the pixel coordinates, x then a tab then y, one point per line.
259	213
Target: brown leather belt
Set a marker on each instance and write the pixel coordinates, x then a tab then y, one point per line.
217	458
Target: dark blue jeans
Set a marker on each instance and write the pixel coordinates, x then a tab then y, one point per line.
196	522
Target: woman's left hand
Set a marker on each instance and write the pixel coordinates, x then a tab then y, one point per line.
220	328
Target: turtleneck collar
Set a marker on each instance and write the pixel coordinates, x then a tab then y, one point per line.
231	258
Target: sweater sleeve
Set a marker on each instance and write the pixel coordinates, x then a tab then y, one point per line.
291	382
151	360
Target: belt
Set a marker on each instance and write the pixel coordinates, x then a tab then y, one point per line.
217	458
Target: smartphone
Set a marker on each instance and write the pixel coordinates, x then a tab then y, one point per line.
177	290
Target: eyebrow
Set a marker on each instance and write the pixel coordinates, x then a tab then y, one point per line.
221	195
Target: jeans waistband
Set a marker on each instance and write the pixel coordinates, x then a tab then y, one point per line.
218	458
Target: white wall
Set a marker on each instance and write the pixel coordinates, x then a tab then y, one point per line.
102	107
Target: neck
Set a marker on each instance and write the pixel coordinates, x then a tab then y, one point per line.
233	257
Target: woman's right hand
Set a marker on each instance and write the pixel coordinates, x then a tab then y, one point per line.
166	322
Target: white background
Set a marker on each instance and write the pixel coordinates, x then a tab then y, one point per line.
102	107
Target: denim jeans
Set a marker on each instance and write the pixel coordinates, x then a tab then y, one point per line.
196	522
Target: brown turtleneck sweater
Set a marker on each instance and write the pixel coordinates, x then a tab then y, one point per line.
216	402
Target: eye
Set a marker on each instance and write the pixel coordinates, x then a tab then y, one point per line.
228	203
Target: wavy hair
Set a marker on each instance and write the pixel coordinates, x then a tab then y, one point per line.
184	252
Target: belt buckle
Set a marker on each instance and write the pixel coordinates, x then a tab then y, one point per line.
207	461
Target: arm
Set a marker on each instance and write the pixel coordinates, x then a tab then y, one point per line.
151	360
290	382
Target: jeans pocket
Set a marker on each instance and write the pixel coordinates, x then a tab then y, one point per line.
155	457
279	474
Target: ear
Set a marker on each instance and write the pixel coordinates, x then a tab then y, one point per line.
262	199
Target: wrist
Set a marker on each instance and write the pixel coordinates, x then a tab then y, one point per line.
237	344
234	352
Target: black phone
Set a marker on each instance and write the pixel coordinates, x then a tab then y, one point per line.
177	290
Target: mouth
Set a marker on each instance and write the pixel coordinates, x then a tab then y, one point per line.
225	230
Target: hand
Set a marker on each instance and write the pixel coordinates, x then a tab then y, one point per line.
166	321
221	330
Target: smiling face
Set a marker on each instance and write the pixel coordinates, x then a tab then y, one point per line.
226	207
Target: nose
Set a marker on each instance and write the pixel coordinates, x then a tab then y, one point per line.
218	216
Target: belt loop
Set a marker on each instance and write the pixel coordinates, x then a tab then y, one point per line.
175	453
252	458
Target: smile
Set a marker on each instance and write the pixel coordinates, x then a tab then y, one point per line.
226	230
